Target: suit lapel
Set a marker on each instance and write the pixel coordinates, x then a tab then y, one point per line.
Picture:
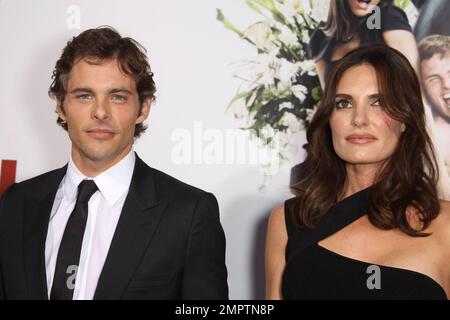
138	221
35	225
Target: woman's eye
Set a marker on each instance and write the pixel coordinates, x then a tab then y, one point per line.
377	103
343	103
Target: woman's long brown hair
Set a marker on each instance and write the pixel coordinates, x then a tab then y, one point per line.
407	179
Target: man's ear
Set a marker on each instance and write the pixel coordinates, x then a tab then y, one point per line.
145	111
60	110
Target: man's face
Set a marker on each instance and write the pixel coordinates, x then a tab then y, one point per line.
101	109
436	82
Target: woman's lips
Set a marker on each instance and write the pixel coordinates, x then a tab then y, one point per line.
363	4
100	134
360	139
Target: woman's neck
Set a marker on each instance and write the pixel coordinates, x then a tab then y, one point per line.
359	177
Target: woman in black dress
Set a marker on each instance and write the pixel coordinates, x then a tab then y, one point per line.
366	221
352	24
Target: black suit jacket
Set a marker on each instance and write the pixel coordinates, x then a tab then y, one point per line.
168	243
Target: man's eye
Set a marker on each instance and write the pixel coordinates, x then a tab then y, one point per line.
117	98
343	103
84	97
434	80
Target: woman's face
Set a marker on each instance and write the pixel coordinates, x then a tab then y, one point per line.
361	8
362	132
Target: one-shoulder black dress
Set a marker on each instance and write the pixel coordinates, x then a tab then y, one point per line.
313	272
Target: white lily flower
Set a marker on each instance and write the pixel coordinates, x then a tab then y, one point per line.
264	68
288	37
310	113
287	70
261	34
305	36
287	105
291	121
299	91
308	66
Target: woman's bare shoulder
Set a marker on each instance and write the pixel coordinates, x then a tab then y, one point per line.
277	213
276	220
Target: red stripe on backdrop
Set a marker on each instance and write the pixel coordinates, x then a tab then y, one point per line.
7	174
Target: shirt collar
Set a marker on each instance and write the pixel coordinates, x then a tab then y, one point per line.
112	183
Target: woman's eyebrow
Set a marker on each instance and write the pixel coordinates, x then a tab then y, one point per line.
343	95
374	96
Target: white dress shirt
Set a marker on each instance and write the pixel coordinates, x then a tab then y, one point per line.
104	207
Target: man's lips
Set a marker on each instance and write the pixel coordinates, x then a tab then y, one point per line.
360	138
100	134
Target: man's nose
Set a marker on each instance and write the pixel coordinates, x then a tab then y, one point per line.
101	109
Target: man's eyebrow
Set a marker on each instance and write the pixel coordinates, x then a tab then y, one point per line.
89	90
436	74
81	89
123	90
433	75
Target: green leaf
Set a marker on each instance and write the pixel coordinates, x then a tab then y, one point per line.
254	7
267	4
227	24
402	3
270	6
239	96
316	93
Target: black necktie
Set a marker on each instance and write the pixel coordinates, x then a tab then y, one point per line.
70	247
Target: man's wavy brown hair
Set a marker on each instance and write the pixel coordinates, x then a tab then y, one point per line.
407	179
98	45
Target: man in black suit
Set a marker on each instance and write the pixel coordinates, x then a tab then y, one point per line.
106	225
